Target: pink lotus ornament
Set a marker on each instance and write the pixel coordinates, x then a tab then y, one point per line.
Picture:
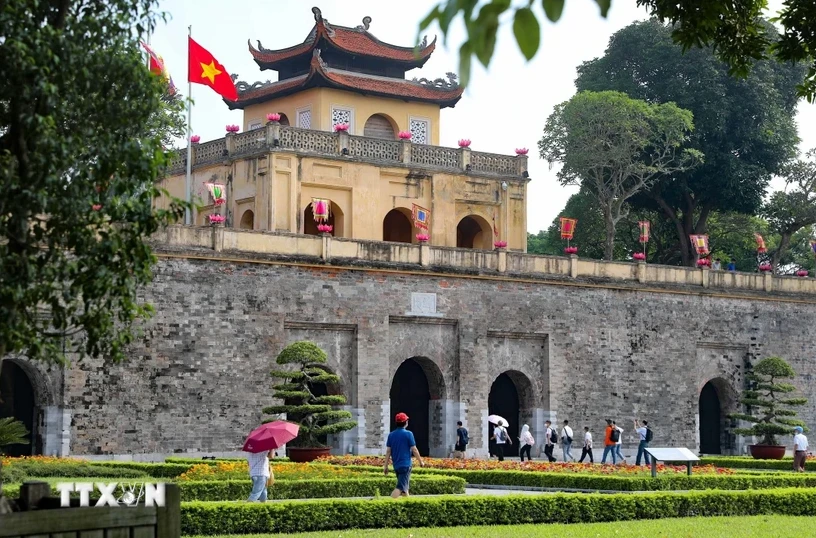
522	151
423	238
765	267
571	250
195	139
325	228
405	135
801	272
341	127
703	262
500	244
273	117
464	143
216	219
639	256
96	207
233	128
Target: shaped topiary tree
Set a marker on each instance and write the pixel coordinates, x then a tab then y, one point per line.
314	414
767	395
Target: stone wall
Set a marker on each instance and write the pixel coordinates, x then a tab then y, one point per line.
580	349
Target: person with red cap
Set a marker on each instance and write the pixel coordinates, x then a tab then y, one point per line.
400	446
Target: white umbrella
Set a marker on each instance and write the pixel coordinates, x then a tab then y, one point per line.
496	419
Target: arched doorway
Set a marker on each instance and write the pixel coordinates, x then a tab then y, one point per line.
511	397
248	220
474	232
284	120
17	400
380	126
335	221
416	383
710	420
397	226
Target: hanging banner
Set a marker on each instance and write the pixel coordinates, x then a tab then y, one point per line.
644	230
422	217
700	244
495	227
760	243
568	227
218	193
320	209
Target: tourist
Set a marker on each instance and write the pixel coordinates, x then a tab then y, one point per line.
400	446
551	437
717	265
619	442
800	446
261	475
461	441
645	435
526	442
587	450
732	265
566	441
609	443
502	438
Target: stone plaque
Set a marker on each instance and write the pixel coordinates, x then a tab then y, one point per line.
423	304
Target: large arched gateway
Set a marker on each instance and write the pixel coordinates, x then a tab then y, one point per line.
717	400
18	400
511	397
416	382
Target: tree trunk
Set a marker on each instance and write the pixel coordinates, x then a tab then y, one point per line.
784	242
609	244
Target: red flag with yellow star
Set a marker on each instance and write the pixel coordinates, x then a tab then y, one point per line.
204	69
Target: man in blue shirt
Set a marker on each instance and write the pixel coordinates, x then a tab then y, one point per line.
399	449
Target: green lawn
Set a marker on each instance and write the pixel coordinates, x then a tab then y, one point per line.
710	527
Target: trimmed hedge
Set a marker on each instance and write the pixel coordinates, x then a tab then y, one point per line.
195	461
285	517
154	470
785	464
36	469
619	483
238	490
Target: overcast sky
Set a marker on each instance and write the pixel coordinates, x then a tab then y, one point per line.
504	107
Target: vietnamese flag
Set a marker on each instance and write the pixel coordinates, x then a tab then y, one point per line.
204	69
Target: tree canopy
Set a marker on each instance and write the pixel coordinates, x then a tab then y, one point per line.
82	123
615	147
733	29
744	127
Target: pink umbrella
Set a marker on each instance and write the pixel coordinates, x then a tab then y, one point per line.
271	435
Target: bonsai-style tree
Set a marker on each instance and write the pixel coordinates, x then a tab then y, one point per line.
767	395
314	414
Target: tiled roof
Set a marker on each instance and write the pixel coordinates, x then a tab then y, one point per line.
443	94
351	40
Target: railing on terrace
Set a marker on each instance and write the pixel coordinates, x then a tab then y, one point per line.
458	260
276	137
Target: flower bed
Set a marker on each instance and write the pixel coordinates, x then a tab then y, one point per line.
239	470
536	466
230	518
236	490
195	461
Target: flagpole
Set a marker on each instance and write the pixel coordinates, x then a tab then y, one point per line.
187	219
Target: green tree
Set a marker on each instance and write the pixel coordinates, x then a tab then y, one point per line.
774	413
792	210
733	29
614	147
731	236
12	432
314	414
745	128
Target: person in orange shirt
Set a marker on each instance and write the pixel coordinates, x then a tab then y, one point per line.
609	443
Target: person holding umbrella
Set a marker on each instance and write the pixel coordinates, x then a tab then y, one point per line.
260	445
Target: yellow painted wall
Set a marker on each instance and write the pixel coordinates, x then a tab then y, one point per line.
322	100
279	186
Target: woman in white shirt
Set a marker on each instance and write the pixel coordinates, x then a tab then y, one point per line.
526	442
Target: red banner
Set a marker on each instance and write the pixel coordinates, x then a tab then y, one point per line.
700	244
568	227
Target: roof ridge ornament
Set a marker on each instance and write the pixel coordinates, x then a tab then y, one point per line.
366	24
449	84
318	16
424	42
316	57
244	87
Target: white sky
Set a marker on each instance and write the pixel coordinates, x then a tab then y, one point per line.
520	94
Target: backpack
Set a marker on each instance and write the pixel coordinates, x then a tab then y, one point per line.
649	434
501	435
615	435
464	436
553	436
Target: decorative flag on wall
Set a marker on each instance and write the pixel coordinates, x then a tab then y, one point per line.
644	230
218	193
203	68
700	243
320	209
422	217
495	227
157	67
760	243
568	227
